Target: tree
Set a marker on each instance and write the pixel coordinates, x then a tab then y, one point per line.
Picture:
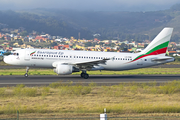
87	44
123	45
101	43
54	44
24	33
20	42
113	44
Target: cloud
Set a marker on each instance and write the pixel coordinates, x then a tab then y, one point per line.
86	4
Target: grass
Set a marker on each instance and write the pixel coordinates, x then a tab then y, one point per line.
143	71
129	98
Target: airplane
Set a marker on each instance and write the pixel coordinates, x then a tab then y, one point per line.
66	62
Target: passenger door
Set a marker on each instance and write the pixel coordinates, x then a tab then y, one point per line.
27	55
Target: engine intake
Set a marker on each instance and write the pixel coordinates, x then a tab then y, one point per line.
63	69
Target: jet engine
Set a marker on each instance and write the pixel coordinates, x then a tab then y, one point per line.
63	69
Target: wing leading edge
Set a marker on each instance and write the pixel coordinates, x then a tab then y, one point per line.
89	65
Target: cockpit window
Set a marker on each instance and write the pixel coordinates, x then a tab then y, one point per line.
15	54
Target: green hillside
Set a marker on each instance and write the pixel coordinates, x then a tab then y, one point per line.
125	25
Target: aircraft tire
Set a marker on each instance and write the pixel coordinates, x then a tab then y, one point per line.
86	76
26	75
82	75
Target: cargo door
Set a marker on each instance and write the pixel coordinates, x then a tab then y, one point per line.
140	62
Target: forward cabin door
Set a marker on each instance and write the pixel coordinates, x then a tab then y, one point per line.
27	55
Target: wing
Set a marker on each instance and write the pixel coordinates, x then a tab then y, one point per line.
89	65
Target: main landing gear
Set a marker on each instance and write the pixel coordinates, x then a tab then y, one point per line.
26	74
84	75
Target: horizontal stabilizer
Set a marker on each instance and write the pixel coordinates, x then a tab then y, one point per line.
160	59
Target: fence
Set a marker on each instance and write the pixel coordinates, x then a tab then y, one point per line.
96	118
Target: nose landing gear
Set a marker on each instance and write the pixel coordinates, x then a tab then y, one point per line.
27	70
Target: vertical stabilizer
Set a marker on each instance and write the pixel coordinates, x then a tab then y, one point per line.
159	44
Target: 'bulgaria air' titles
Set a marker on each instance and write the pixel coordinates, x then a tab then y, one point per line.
47	52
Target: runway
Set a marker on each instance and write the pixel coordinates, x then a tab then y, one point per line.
76	79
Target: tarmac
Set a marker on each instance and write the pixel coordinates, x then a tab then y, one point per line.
43	80
76	79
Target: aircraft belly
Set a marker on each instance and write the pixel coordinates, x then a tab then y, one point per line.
116	66
43	63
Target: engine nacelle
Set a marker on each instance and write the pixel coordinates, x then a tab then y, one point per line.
63	69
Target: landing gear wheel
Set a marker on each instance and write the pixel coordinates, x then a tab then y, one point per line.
82	75
86	76
27	70
26	75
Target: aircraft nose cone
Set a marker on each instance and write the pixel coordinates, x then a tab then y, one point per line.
6	59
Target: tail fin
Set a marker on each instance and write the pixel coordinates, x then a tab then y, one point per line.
159	44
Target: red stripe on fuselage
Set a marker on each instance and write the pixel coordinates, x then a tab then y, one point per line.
160	51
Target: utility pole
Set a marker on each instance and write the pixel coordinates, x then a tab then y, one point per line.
79	35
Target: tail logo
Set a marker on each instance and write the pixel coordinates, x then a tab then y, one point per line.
160	49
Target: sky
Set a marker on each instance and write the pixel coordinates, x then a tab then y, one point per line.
89	5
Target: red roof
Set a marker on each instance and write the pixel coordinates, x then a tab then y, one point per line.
39	37
172	51
66	46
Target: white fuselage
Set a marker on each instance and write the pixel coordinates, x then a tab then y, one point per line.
118	61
